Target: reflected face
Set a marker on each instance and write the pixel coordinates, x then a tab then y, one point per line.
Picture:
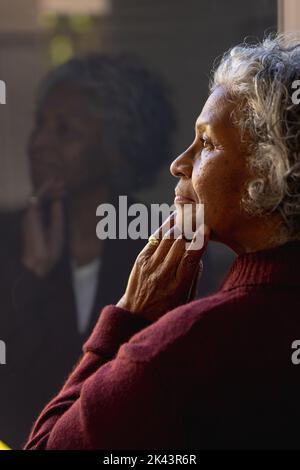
65	145
213	170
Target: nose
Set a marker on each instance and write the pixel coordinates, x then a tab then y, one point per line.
182	166
42	139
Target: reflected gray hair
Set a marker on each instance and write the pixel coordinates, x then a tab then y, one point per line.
134	105
259	77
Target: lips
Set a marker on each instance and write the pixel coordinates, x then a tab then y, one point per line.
181	198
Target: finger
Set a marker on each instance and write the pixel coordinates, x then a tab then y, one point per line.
166	244
150	248
165	226
34	213
35	200
58	190
32	222
192	256
176	249
51	189
44	190
56	230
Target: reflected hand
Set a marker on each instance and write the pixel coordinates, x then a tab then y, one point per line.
42	248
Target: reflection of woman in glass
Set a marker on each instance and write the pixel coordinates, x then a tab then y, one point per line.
217	372
103	129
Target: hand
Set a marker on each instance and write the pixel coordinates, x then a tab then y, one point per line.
43	248
163	276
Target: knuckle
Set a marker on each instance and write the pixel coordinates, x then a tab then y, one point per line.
190	261
141	261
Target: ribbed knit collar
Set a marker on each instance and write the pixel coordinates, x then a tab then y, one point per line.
277	266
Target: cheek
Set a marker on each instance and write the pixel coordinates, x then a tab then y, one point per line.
83	162
72	153
218	184
75	159
74	167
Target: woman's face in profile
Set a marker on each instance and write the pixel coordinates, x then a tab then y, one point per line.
213	170
65	145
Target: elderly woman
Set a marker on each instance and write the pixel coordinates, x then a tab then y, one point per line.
161	373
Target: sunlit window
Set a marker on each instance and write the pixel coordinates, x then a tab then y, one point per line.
72	26
75	7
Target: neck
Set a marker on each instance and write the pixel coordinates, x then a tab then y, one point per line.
257	233
81	209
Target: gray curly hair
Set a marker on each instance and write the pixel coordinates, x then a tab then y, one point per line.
260	78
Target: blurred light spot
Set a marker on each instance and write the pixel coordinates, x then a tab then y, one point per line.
61	49
80	23
49	21
76	7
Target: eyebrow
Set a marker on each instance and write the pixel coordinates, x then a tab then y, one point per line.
200	125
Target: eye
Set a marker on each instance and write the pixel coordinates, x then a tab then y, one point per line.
66	130
206	143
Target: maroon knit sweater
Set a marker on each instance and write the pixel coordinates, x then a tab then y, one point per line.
214	373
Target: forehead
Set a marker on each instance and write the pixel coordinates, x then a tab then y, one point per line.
217	110
65	99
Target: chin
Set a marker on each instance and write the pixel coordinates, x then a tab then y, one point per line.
189	217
